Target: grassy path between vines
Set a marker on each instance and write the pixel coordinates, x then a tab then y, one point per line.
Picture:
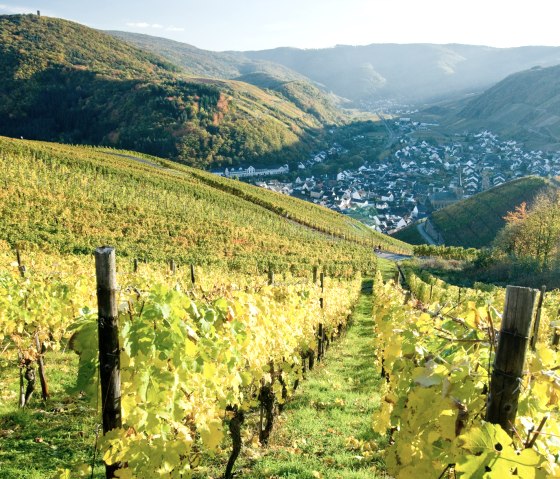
325	431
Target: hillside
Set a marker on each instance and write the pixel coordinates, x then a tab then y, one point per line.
66	82
525	105
72	199
408	72
475	221
281	80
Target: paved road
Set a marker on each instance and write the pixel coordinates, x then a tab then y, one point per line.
392	256
392	136
422	230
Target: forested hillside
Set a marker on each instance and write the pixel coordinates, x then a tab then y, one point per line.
69	83
293	86
476	221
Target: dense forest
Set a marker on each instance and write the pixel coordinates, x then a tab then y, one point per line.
69	83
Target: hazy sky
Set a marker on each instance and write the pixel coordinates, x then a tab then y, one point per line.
261	24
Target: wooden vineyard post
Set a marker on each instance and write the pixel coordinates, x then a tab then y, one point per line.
41	364
556	335
109	350
21	267
270	276
507	372
315	271
172	266
135	265
321	329
193	277
537	322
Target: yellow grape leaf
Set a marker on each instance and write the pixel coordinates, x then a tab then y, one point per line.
209	370
447	424
190	349
490	454
382	419
124	474
393	349
420	469
212	434
405	451
63	474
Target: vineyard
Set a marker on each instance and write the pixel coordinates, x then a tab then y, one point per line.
197	351
208	355
69	200
222	300
440	349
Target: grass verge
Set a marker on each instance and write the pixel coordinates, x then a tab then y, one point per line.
325	431
44	436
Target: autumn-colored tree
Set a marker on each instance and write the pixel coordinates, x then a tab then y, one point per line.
534	232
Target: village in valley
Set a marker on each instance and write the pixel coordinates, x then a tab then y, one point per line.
417	175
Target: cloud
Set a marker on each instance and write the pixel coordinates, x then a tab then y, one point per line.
157	26
15	9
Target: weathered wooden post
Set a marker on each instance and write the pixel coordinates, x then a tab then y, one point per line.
556	335
135	265
315	271
537	322
41	364
21	267
321	331
270	276
507	372
172	266
193	277
109	350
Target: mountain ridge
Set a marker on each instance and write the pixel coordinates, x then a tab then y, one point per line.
366	74
525	104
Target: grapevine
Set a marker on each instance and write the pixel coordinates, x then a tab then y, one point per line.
436	356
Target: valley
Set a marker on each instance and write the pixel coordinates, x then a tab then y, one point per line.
425	169
313	262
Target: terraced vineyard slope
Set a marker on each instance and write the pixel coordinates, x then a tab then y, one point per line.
71	199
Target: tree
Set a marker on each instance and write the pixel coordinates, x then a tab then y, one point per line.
533	232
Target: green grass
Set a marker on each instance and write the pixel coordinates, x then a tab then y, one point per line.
334	404
410	234
45	436
387	267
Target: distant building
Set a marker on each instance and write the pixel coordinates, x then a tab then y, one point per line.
252	171
441	199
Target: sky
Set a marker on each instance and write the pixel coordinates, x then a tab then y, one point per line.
261	24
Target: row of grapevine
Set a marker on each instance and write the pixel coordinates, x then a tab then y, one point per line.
193	358
436	351
446	252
